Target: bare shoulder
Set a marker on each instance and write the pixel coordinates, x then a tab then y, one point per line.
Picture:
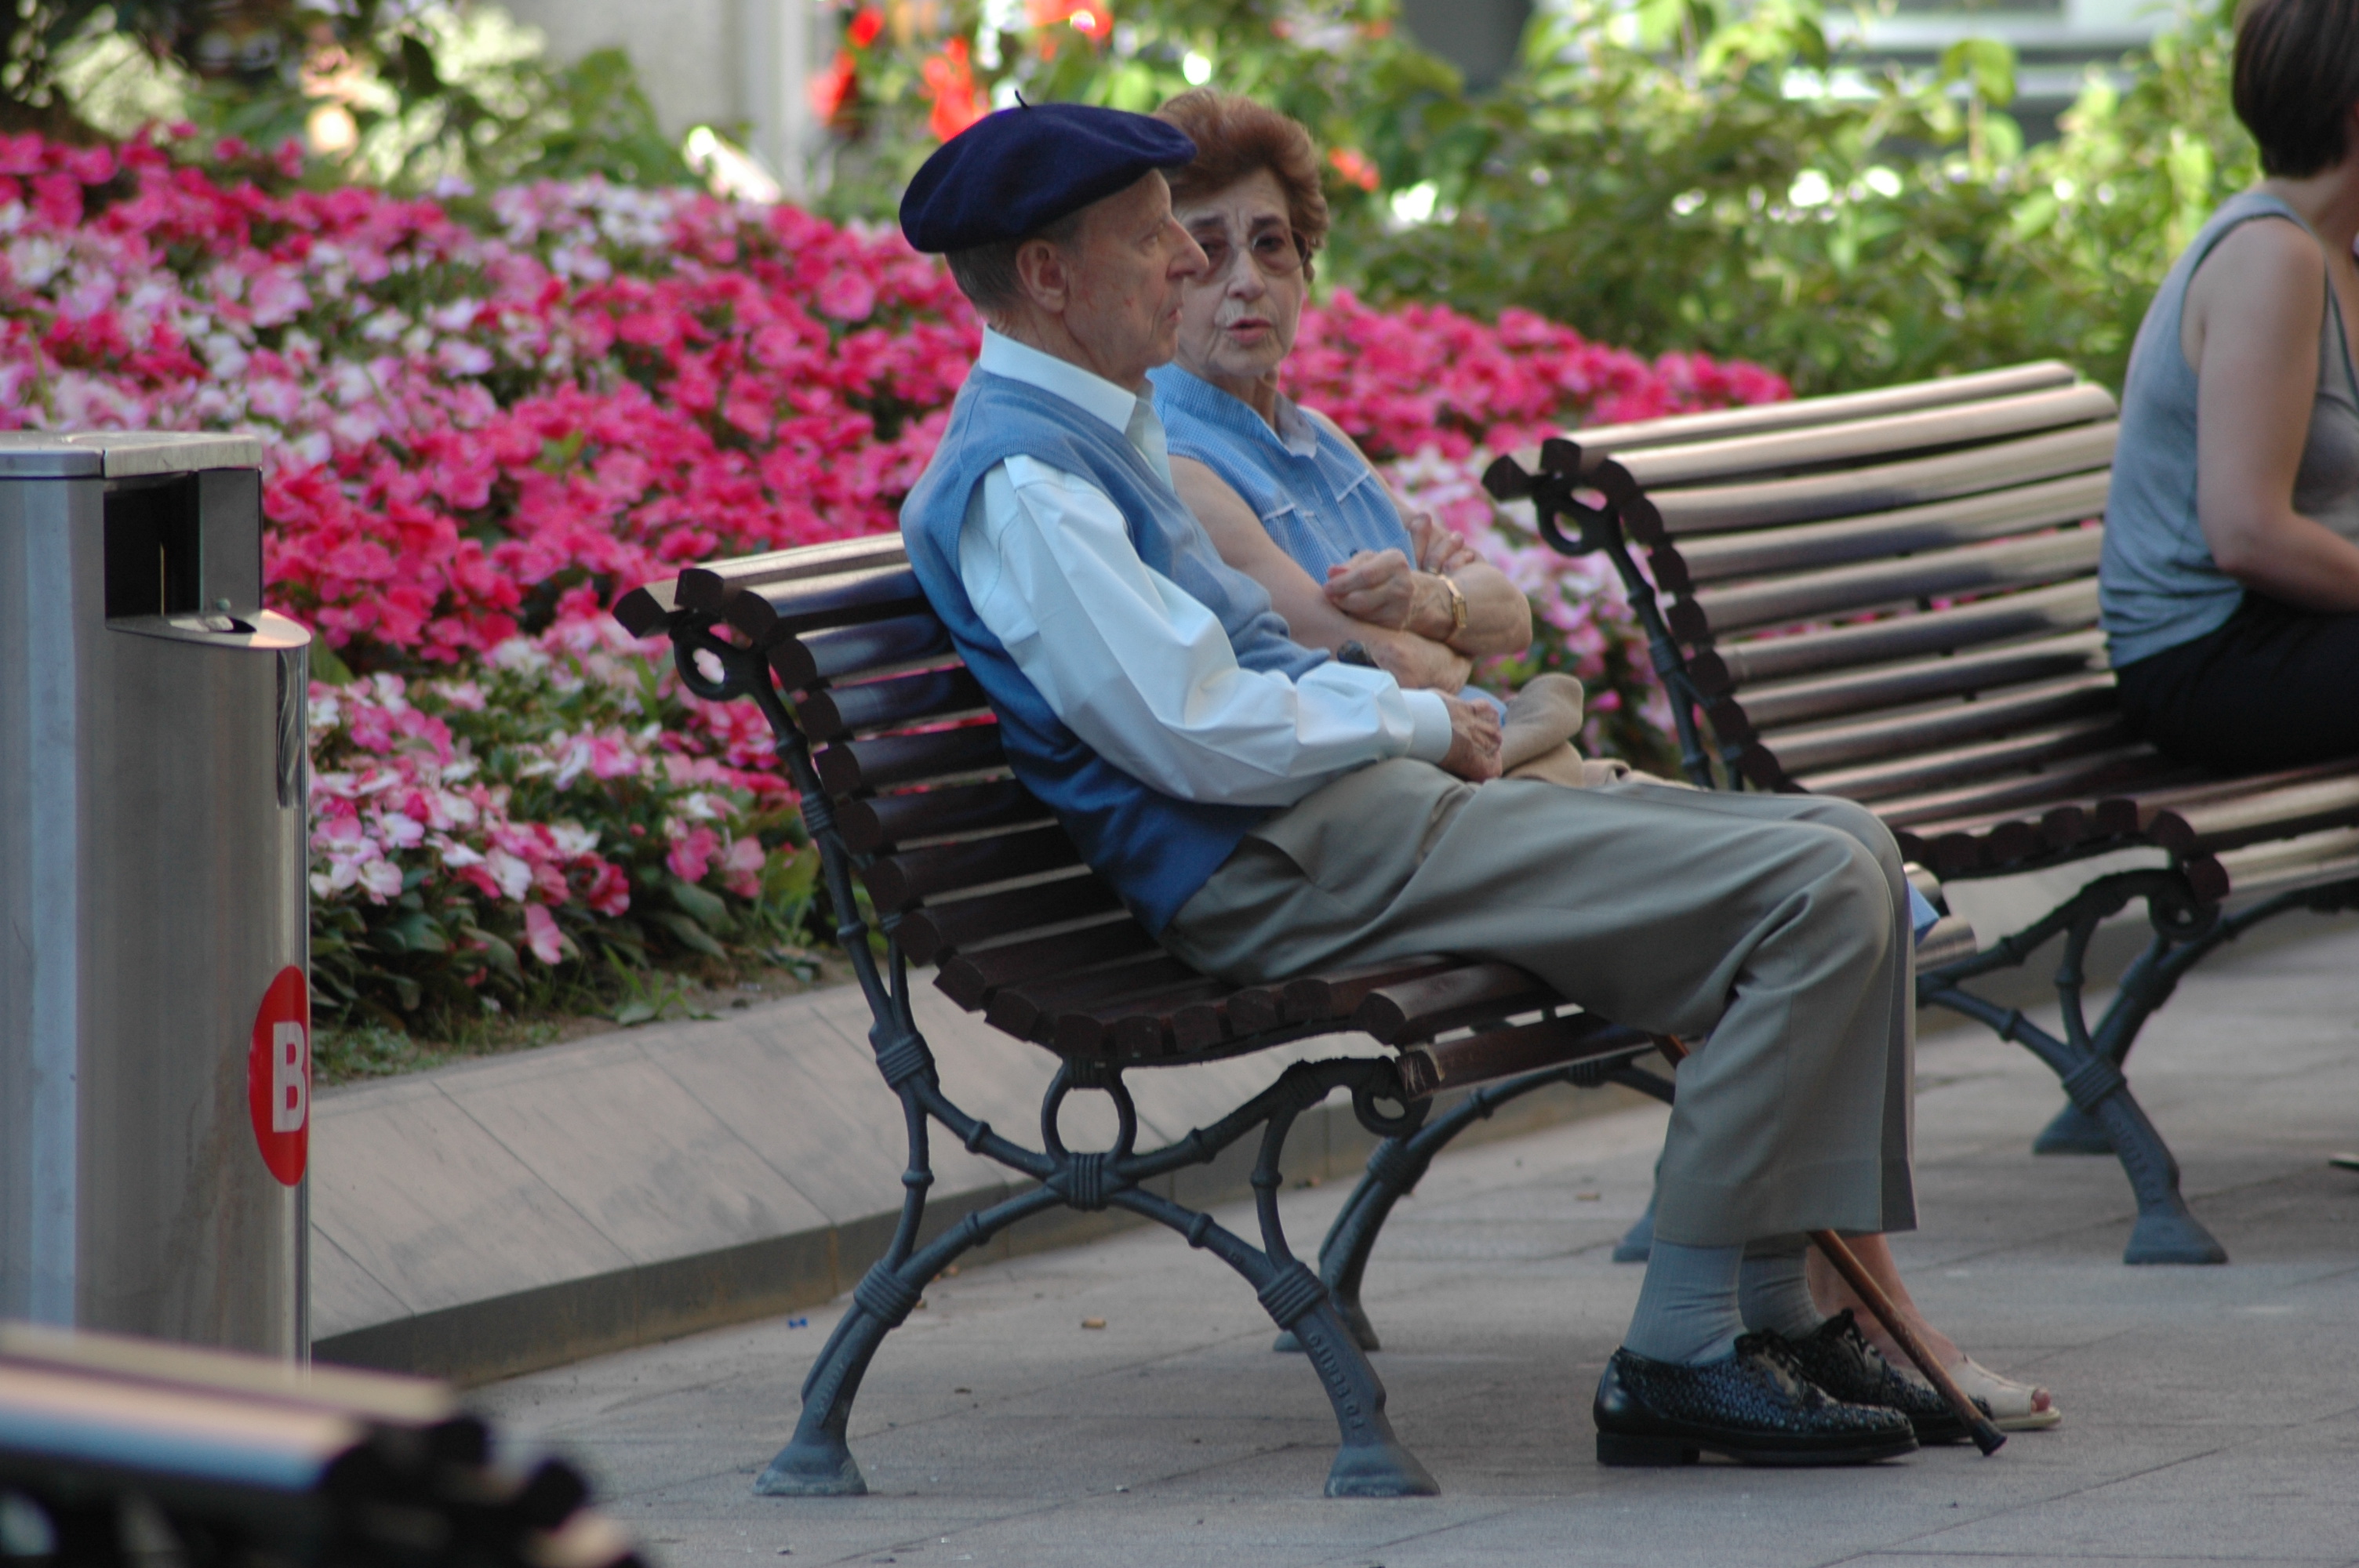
2257	270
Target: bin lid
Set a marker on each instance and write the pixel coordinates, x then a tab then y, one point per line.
122	454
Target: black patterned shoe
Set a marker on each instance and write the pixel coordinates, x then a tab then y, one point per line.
1750	1406
1837	1356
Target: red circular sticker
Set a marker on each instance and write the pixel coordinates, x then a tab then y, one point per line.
278	1076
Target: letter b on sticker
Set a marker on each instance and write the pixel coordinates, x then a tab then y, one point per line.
278	1076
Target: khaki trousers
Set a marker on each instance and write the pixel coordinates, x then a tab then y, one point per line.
1770	931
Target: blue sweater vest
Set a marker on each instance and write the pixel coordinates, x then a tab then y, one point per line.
1156	849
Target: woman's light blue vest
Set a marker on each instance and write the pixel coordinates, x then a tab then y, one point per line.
1156	849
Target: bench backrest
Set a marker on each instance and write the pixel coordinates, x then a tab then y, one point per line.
1891	597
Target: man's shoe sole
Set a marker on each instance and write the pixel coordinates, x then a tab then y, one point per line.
1625	1449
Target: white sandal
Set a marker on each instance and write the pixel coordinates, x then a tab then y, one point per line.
2010	1403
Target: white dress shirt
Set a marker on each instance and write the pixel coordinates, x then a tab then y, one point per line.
1139	669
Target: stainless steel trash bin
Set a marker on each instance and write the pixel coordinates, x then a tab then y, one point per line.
155	1026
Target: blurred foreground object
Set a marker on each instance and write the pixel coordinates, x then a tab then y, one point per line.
116	1450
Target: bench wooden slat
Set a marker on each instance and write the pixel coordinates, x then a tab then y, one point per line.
1888	487
710	587
2075	780
1878	780
1812	596
767	612
971	979
1338	992
1810	749
1027	1009
2067	607
1138	1024
2284	865
1944	524
1428	1068
1922	680
1452	998
873	823
1760	418
956	926
832	712
1702	462
896	881
884	761
2251	819
803	660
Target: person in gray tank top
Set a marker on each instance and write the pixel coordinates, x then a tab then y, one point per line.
2230	579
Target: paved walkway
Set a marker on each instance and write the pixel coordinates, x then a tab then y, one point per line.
2212	1413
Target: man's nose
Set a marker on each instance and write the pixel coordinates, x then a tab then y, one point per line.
1188	260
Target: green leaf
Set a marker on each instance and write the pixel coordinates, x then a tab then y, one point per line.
689	934
699	903
326	666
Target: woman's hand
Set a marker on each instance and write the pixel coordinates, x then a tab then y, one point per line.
1439	546
1378	587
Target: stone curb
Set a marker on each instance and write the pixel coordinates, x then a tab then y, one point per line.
499	1216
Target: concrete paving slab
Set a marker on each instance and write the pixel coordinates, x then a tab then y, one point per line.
342	1293
430	1202
633	1152
2212	1415
785	1103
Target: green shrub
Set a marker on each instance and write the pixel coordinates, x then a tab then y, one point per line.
1673	175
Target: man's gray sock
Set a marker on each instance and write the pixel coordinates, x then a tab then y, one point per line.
1770	1293
1686	1307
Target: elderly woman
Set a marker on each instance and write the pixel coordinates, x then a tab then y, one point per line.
1289	499
2230	581
1293	502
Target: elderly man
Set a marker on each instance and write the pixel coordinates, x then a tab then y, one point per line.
1265	809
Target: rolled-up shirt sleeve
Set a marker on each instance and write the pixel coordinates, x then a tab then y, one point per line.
1144	673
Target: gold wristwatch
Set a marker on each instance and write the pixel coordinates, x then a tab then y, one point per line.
1457	605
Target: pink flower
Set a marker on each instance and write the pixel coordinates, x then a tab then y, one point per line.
692	853
741	867
541	935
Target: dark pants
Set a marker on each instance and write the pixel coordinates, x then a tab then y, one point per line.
2274	688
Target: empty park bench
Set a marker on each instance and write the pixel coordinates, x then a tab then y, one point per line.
1891	596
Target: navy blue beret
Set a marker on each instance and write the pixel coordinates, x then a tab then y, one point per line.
1016	171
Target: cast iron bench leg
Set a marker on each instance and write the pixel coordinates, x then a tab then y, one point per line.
1370	1463
2148	983
2166	1231
1398	1164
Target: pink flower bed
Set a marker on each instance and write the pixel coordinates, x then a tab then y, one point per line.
484	423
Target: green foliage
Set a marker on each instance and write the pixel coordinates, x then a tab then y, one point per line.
391	93
1719	192
1670	174
1341	67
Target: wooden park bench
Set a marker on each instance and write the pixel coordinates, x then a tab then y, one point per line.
1978	726
1891	597
891	745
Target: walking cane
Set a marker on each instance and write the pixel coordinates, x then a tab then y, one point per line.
1987	1437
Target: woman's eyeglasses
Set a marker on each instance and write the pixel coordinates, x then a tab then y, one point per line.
1275	252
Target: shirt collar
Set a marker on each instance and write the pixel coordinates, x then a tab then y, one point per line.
1193	395
1124	410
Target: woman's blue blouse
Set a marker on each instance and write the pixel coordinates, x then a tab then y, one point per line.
1318	499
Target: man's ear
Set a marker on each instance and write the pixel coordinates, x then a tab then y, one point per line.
1045	276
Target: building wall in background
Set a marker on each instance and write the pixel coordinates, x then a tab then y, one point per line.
740	66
